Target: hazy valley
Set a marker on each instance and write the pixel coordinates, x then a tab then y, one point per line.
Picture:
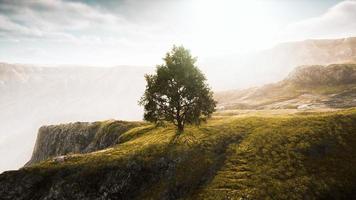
34	96
286	134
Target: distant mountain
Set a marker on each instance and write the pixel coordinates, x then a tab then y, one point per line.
33	96
270	65
311	52
315	86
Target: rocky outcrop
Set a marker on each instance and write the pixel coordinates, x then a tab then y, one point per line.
79	137
317	75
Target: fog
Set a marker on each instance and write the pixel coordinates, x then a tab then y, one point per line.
34	96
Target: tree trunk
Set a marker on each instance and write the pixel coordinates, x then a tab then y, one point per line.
180	124
180	127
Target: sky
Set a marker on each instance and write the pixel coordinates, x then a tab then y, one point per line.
133	32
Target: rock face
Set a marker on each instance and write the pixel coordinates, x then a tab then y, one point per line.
79	137
316	75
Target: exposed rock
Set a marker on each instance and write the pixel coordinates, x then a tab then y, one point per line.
304	107
59	159
79	137
314	75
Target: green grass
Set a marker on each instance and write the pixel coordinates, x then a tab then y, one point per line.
109	130
279	156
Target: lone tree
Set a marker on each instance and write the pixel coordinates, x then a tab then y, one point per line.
177	92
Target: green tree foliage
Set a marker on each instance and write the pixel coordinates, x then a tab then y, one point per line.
177	92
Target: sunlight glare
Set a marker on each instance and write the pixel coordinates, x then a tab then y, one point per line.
225	25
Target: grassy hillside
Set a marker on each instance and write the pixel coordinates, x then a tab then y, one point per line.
332	86
280	156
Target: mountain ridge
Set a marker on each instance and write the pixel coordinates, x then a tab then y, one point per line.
332	86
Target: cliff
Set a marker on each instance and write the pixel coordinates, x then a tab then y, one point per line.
296	156
79	137
61	93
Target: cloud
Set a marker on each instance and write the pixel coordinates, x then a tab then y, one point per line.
56	20
6	25
338	21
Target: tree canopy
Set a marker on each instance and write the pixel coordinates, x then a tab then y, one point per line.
177	92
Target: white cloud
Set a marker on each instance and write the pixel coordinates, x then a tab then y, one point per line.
71	30
117	32
338	21
56	20
8	27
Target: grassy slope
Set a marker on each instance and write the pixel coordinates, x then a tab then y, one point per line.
277	93
299	156
318	81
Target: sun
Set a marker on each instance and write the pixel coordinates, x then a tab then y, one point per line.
228	26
